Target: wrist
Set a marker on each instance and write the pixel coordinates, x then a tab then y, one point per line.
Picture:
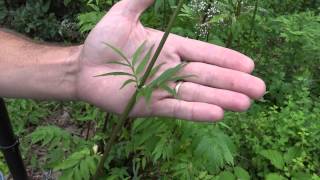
71	69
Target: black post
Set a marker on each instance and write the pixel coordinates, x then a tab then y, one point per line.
9	145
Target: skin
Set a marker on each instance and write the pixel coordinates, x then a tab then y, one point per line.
39	71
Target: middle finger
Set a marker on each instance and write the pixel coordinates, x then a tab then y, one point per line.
222	78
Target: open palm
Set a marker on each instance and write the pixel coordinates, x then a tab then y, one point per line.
221	82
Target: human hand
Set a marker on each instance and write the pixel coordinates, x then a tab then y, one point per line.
222	79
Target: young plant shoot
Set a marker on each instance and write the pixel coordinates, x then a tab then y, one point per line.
136	77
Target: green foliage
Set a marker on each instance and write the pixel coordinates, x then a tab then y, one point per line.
3	166
275	157
53	136
88	20
284	139
277	139
27	112
78	166
35	18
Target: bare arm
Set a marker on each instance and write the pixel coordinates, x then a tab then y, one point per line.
38	71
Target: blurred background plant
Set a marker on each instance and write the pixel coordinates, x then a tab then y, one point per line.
278	138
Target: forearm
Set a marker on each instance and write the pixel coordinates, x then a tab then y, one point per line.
37	71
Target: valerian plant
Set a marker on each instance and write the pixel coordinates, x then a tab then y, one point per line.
142	89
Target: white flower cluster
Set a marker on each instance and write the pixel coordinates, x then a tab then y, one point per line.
213	10
67	27
205	9
202	30
198	5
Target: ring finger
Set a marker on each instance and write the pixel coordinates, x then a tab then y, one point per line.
225	99
222	78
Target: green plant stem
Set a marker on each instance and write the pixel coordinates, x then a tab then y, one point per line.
161	45
253	18
124	116
237	15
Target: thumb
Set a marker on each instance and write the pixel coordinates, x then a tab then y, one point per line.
134	7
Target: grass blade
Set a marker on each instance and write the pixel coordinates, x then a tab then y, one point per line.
118	51
137	54
144	62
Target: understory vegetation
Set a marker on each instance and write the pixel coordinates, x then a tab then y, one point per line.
278	138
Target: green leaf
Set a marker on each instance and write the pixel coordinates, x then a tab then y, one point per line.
143	163
226	175
67	175
178	78
168	89
275	157
84	170
49	138
292	153
72	160
118	51
77	173
144	62
92	164
241	173
156	69
137	54
128	82
115	74
301	175
119	63
274	176
167	75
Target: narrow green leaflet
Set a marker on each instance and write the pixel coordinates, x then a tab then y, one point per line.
137	54
128	82
156	69
118	52
119	63
177	78
115	74
168	89
167	75
144	62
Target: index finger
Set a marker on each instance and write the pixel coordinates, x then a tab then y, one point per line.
194	50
